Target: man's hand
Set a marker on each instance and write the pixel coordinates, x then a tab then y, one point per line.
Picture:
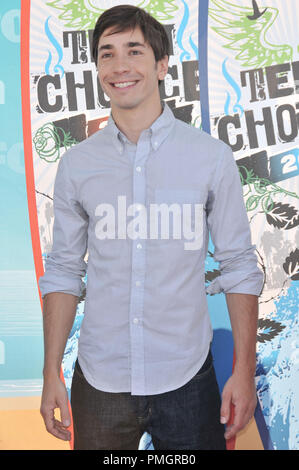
55	396
239	391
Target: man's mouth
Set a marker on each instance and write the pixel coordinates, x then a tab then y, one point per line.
123	85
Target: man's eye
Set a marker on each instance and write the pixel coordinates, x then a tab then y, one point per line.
108	54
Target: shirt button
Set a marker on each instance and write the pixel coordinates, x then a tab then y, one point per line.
138	168
135	321
139	246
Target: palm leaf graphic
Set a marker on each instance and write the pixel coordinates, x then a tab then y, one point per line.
78	14
245	32
83	14
268	329
160	9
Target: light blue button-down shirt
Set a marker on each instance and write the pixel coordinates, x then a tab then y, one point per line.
146	326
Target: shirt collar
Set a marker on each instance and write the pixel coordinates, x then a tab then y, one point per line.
157	132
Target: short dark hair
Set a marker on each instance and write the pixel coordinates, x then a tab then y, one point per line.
126	17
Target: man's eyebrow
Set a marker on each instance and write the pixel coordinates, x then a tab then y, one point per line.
128	44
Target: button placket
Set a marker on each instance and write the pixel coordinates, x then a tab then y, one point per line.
138	274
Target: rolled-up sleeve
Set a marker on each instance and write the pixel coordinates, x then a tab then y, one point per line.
230	233
65	266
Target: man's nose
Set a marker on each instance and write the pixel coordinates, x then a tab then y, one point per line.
120	64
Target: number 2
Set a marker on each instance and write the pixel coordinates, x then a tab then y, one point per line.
289	163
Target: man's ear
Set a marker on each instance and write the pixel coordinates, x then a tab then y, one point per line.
163	67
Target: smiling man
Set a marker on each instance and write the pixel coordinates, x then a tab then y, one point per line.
144	360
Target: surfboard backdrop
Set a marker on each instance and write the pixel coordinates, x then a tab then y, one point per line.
233	72
250	101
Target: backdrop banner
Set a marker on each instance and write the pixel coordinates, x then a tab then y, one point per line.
253	70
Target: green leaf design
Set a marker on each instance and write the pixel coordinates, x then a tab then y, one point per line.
267	203
77	14
259	187
252	202
247	35
83	14
160	9
260	190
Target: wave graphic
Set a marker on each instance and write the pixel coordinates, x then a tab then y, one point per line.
194	46
180	33
237	90
57	68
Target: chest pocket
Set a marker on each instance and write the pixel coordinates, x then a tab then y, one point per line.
181	216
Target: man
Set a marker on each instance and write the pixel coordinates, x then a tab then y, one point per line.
144	360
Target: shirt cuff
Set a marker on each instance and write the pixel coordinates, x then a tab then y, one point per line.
59	283
237	283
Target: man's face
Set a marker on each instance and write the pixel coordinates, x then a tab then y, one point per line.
124	58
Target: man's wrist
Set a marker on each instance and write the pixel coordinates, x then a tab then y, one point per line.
51	372
245	368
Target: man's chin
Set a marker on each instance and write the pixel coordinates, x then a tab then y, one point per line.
124	106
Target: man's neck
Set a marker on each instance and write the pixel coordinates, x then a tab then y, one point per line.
132	122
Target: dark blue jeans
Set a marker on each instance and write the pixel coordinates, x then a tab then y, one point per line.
185	418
